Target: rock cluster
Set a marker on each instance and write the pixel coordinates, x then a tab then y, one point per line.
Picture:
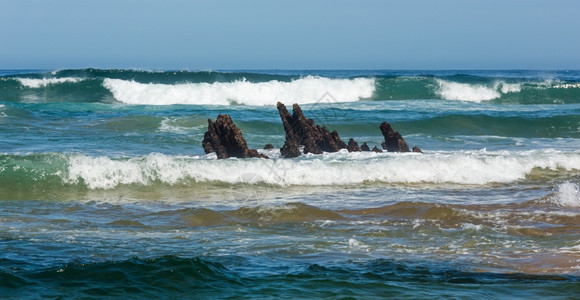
316	139
226	140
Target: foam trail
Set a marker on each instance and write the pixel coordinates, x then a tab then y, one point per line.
309	89
38	83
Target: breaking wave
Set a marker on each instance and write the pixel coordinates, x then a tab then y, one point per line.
268	87
449	90
567	194
310	89
44	82
341	168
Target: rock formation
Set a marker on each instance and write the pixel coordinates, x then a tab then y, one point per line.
302	131
394	142
226	140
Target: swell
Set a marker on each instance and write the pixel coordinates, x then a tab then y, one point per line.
557	213
172	276
267	87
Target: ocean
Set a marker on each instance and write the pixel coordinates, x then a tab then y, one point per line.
106	191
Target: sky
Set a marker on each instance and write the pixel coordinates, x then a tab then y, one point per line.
290	34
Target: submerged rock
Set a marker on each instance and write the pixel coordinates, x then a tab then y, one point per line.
226	140
377	150
417	150
365	147
394	142
353	146
290	150
268	147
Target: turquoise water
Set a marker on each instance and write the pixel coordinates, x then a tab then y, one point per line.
105	190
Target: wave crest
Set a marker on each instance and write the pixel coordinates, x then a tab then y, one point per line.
309	89
44	82
449	90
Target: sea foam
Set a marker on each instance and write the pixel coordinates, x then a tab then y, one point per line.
473	168
567	194
309	89
38	83
449	90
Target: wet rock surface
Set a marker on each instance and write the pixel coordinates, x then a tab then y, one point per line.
226	140
304	132
394	142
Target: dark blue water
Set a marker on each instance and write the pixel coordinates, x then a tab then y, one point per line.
105	190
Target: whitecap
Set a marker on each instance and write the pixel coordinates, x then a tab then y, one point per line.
38	83
567	194
309	89
342	168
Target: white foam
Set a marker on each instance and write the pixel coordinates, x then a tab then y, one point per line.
37	83
509	87
168	125
309	89
449	90
567	194
475	168
567	86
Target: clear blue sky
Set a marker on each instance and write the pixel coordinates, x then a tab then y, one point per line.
290	34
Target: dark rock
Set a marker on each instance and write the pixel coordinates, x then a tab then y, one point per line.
226	140
352	146
416	149
268	147
303	131
290	149
365	147
394	142
376	149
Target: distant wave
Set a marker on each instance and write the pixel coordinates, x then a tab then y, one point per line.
310	89
449	90
266	88
43	82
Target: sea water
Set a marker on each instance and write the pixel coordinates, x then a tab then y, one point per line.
105	190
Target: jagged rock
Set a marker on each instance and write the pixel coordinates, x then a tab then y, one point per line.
394	142
226	140
268	147
416	149
303	131
377	150
365	147
352	146
290	149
